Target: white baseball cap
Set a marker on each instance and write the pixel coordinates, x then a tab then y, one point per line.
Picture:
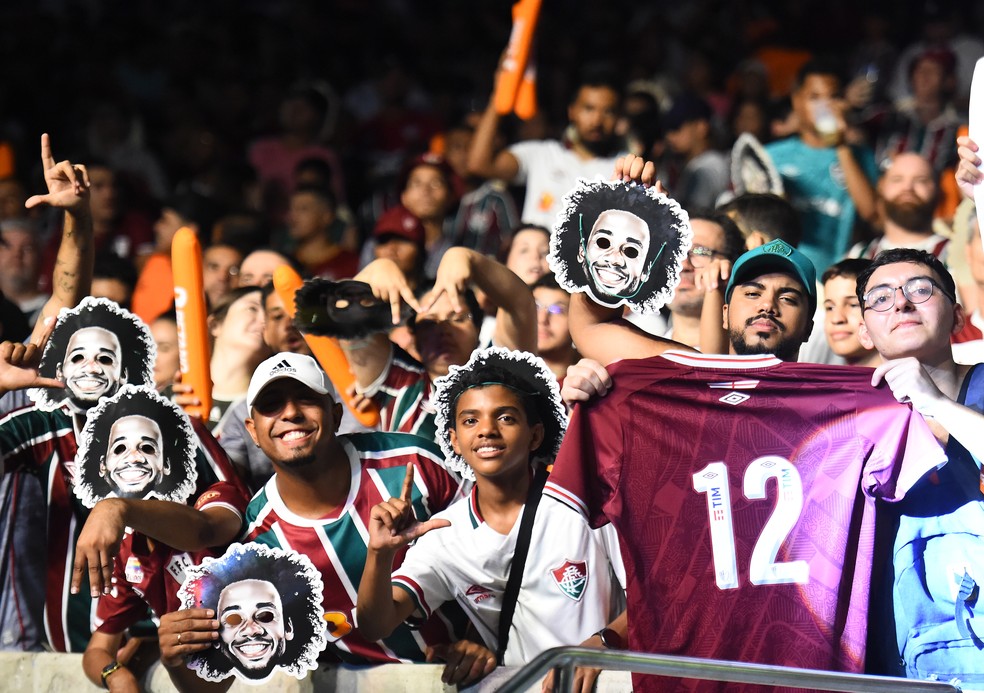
299	367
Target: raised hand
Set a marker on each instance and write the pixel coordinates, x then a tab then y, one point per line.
454	274
389	284
19	363
98	544
392	524
634	169
714	276
68	184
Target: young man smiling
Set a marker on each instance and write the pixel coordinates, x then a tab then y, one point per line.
318	502
500	421
910	314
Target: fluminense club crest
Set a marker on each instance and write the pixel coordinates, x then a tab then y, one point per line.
571	578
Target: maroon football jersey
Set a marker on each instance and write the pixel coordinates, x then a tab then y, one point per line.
735	484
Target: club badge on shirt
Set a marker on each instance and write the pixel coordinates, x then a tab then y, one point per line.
571	578
178	564
133	570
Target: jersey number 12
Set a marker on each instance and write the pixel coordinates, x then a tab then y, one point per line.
763	568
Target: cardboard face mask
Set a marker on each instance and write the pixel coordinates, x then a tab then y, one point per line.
268	604
620	243
95	348
136	444
344	310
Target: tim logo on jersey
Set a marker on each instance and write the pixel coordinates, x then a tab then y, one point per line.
571	578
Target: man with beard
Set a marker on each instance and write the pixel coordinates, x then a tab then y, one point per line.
280	334
549	168
907	197
770	299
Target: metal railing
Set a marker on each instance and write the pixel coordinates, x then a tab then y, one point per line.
565	659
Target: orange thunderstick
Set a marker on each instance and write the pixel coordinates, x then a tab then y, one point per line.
525	14
327	350
192	320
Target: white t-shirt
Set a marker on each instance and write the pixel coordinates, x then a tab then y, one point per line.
573	583
549	170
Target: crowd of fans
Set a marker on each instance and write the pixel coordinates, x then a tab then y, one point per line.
356	142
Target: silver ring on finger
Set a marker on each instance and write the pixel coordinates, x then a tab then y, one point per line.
179	638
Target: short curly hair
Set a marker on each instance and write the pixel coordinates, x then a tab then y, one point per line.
520	371
137	347
178	437
301	591
669	228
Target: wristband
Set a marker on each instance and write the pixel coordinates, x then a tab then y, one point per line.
108	671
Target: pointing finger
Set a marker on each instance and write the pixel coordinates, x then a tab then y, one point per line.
47	160
407	483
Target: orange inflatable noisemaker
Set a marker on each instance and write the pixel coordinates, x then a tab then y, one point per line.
327	350
192	320
510	85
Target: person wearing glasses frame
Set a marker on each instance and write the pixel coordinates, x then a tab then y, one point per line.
553	334
717	239
910	314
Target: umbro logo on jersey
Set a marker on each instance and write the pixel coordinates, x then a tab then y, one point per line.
734	398
283	367
571	578
478	594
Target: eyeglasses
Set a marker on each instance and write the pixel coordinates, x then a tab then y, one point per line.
235	619
700	256
456	320
917	290
552	309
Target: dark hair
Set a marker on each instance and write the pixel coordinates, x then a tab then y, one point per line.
824	67
265	291
507	246
734	241
177	436
196	209
547	281
849	268
599	76
286	573
137	347
910	255
322	193
535	405
108	265
217	313
170	316
315	165
768	214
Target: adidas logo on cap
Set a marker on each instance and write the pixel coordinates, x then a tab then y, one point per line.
301	368
282	368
